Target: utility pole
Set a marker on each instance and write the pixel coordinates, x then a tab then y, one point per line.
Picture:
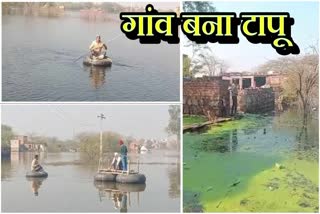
101	117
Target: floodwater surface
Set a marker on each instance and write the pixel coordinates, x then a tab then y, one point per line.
38	55
254	164
70	186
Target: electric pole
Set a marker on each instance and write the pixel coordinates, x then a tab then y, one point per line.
101	117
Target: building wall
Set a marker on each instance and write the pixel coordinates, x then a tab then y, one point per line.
23	139
20	144
203	96
206	96
15	145
275	81
258	100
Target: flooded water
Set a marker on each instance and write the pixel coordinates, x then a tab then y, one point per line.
39	54
255	164
70	186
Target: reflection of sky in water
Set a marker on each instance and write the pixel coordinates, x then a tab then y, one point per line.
71	187
267	135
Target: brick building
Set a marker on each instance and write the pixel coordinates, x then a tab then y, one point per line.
209	96
21	144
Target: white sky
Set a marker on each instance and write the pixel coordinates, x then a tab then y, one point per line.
142	121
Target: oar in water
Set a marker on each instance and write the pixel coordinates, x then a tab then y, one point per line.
124	65
80	57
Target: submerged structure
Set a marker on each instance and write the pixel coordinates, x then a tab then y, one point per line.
209	96
21	143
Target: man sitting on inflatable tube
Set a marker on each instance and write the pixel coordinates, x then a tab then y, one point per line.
35	166
96	48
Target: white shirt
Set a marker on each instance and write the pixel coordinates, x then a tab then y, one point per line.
118	159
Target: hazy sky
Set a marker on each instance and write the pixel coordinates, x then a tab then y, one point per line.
145	121
245	56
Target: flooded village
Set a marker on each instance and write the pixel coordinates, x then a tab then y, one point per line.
92	120
72	164
263	158
250	127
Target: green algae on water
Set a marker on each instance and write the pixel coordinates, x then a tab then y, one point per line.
193	119
245	152
293	189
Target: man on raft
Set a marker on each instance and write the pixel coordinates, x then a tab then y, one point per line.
96	49
124	155
35	166
116	162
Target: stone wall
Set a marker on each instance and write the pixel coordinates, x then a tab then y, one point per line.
207	96
259	100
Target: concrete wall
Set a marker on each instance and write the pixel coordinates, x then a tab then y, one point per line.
258	100
206	96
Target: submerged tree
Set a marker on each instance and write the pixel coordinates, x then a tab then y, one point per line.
89	143
6	135
173	127
301	79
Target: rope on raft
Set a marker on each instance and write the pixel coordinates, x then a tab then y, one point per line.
114	38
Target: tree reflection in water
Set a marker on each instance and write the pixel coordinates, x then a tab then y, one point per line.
174	179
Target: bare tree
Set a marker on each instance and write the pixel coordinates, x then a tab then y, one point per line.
301	82
195	64
203	60
211	65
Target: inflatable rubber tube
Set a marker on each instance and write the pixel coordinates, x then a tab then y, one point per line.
41	174
105	177
131	179
97	62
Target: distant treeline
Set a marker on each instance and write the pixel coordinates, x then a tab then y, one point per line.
88	143
6	135
109	7
53	144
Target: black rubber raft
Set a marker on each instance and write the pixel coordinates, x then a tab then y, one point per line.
41	174
106	62
121	178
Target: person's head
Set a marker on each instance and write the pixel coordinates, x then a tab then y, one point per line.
120	142
116	154
98	38
36	157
